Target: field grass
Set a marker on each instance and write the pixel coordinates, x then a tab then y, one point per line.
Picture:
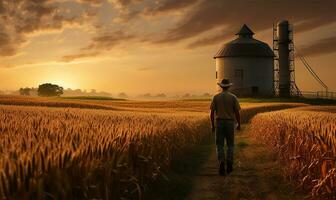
178	181
50	102
170	106
305	140
97	98
310	101
328	109
291	100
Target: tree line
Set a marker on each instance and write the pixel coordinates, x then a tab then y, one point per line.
45	90
50	90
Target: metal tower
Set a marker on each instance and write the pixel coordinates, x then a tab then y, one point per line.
284	66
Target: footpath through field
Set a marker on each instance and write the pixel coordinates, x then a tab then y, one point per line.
256	175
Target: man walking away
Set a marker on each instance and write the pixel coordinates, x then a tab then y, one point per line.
225	109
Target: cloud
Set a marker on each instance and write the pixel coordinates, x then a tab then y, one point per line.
323	46
70	58
94	2
214	39
99	44
203	22
134	9
9	44
106	41
21	18
123	3
228	16
126	7
221	18
166	6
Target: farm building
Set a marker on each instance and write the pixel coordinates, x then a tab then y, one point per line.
248	63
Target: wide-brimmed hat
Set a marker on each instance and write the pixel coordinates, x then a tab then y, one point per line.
225	83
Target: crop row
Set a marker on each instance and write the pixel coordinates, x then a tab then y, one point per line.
306	144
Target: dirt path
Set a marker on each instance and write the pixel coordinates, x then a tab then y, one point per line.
256	175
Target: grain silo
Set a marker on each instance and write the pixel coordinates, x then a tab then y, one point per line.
248	63
284	61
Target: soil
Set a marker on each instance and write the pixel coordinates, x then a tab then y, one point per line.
256	175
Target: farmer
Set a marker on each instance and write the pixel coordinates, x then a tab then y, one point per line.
225	109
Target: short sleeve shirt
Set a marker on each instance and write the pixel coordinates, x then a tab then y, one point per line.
225	105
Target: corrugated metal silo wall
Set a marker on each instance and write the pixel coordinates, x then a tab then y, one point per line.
246	73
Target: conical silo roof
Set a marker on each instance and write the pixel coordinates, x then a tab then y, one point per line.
245	46
245	30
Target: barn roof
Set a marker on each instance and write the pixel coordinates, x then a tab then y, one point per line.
245	45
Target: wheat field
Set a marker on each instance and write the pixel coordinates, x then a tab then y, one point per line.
305	139
72	153
171	106
61	152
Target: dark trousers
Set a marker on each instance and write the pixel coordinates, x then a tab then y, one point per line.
225	132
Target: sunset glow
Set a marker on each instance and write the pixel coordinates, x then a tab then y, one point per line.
140	46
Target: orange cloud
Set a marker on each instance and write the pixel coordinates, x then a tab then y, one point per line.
323	46
18	19
260	14
69	58
99	44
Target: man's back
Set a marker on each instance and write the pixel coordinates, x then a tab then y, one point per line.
225	104
226	107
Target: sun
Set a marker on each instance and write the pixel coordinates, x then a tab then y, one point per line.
63	81
66	84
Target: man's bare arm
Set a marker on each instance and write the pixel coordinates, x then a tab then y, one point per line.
212	119
237	113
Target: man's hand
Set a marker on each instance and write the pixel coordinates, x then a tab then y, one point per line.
238	127
238	119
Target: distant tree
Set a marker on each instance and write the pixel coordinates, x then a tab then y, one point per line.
122	95
33	91
79	91
103	94
187	95
49	90
147	95
93	92
161	95
25	91
206	95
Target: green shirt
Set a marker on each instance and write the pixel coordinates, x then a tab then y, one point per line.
225	105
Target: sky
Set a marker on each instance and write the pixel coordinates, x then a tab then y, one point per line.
155	46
